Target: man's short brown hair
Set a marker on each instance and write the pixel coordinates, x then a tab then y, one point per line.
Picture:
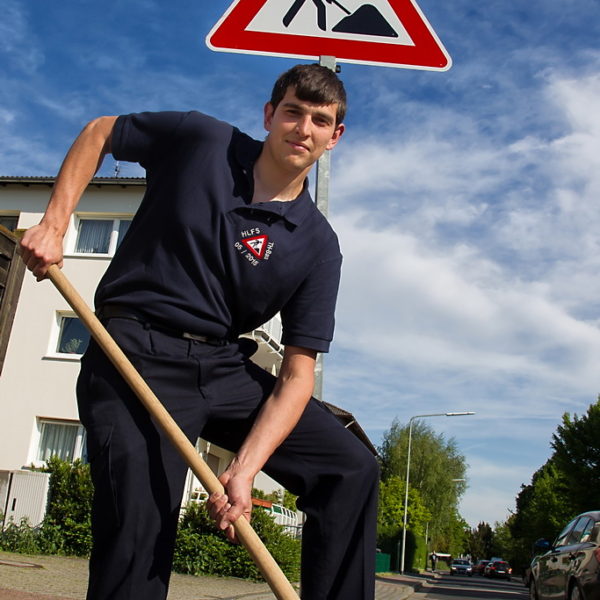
312	83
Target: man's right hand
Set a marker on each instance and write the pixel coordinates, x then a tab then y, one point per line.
41	247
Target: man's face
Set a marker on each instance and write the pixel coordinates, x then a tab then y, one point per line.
300	131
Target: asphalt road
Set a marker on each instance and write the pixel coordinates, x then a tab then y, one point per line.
455	587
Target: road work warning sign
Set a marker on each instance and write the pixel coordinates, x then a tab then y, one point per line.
380	32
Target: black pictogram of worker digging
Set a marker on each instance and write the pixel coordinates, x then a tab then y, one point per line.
365	20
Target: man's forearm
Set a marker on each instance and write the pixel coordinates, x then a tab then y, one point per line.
42	245
278	416
276	419
81	163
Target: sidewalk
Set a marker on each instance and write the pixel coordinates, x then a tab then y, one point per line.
64	578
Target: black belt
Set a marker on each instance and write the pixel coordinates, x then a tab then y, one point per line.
113	311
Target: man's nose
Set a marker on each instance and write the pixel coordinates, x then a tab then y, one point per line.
303	125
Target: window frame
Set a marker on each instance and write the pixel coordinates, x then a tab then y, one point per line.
79	450
10	215
579	529
55	335
113	240
563	536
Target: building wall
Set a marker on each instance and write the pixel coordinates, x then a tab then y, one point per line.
36	382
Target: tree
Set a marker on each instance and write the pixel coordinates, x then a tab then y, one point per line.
566	485
503	543
479	541
390	518
434	464
576	447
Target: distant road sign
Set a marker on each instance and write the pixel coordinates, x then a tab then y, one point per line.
391	33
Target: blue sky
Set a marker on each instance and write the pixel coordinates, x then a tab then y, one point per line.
466	201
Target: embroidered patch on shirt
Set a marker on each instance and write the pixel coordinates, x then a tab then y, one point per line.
257	245
254	246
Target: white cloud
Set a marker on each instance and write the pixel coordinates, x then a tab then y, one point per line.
471	280
451	307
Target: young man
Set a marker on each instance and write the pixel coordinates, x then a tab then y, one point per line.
226	236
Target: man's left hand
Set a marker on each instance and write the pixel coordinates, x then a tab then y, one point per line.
226	508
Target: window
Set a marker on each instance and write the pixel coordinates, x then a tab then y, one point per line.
584	523
100	236
561	540
65	439
73	337
587	531
10	222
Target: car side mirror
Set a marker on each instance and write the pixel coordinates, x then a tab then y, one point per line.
542	544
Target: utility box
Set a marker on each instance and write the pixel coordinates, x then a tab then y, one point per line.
23	494
382	563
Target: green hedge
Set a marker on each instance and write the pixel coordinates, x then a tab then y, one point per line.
200	548
66	526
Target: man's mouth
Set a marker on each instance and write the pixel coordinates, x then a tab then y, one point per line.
298	145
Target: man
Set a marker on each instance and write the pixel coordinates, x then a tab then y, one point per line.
225	237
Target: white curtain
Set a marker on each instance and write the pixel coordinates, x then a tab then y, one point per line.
94	236
57	439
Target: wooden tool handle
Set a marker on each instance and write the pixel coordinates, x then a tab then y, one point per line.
271	571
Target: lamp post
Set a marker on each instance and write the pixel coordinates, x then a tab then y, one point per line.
410	424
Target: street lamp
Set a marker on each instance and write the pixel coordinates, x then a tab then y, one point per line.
410	424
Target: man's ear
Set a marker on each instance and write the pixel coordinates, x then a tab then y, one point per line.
337	134
268	111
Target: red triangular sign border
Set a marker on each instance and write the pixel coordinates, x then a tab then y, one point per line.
230	35
263	247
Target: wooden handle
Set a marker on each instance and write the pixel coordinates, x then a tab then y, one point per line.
270	570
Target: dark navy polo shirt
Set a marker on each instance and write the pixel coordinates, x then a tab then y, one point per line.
199	257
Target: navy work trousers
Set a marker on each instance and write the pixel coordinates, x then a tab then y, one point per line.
212	392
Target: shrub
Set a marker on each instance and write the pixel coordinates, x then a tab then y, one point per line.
66	527
19	537
202	549
201	554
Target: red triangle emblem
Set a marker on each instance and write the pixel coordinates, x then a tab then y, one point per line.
257	245
379	32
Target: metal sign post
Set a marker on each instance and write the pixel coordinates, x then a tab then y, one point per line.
322	201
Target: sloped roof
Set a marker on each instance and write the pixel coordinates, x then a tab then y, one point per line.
44	180
352	424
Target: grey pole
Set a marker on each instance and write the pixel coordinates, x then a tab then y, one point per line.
410	424
322	201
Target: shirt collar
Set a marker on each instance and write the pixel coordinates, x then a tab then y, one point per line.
247	150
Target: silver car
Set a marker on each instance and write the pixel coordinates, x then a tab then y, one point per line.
569	568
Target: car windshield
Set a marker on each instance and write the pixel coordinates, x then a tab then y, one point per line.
461	562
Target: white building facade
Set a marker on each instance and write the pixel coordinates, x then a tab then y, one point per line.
43	339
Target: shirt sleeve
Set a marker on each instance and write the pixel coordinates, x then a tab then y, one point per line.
142	137
308	319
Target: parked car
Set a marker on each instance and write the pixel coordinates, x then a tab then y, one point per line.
479	566
569	568
461	566
498	568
